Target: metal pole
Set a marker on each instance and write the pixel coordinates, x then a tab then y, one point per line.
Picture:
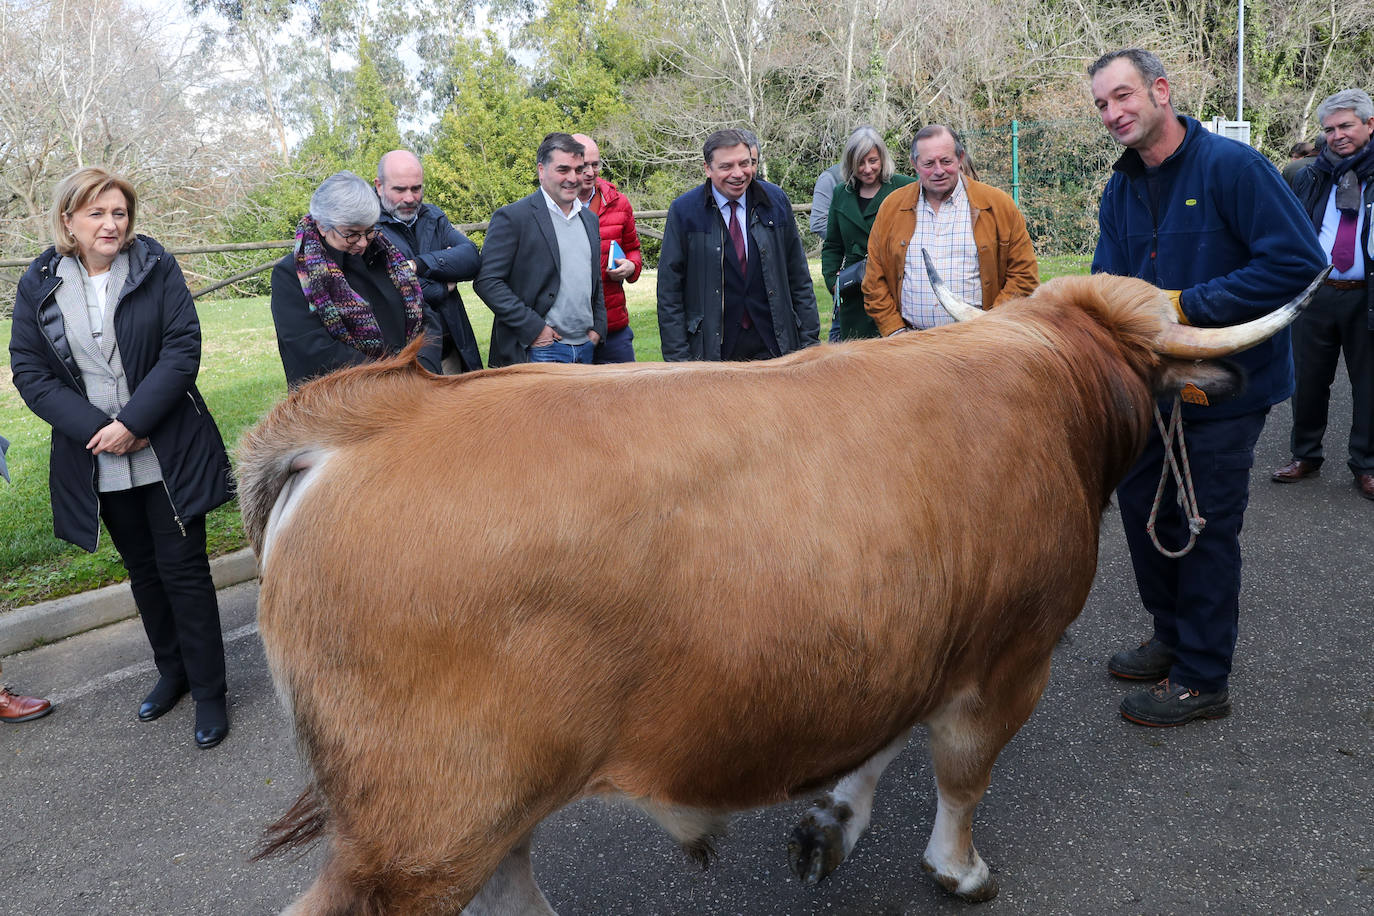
1016	163
1240	63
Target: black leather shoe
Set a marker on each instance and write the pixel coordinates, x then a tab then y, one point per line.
212	723
1167	704
1149	661
163	697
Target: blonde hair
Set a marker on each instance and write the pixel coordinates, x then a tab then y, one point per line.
76	191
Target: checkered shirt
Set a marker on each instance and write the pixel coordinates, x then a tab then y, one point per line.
948	235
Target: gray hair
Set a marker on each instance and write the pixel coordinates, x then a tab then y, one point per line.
1145	63
751	139
344	199
1356	100
936	130
863	141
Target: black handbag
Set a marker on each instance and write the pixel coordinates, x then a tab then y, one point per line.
850	276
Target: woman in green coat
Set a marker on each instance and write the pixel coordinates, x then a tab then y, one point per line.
868	176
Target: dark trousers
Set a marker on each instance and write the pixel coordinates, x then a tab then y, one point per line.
1195	600
1336	321
618	347
749	345
169	574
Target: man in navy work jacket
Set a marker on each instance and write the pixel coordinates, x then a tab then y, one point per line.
439	254
733	282
1210	220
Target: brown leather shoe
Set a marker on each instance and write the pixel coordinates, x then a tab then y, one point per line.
14	708
1365	484
1297	469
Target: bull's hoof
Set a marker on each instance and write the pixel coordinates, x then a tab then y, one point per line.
977	887
817	845
702	851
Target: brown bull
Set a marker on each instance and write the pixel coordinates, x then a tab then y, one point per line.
487	596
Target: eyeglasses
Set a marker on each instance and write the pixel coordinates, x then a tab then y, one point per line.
350	237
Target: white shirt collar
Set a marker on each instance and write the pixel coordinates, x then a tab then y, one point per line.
723	203
577	206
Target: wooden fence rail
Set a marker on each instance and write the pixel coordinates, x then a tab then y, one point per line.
287	243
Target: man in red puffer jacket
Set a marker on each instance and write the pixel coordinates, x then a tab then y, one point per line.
617	225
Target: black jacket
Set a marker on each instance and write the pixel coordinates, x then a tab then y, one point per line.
442	255
691	273
158	335
308	350
1313	188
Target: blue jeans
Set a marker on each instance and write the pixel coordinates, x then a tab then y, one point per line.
1195	600
560	352
618	347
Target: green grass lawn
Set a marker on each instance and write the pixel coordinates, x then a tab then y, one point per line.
240	377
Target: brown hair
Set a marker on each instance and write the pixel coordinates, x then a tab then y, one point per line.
76	191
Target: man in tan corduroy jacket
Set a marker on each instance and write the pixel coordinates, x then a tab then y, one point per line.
973	231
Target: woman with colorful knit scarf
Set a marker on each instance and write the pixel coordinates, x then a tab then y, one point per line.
345	294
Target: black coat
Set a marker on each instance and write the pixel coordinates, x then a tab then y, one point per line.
308	350
158	335
1313	189
442	255
691	273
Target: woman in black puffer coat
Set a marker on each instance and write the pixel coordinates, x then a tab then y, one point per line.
105	346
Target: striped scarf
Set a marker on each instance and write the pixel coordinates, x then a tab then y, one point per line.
344	314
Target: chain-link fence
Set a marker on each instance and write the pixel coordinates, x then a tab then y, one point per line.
1056	170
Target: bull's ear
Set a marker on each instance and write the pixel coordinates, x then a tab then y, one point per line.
1204	382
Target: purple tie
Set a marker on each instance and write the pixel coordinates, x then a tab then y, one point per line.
736	235
1343	251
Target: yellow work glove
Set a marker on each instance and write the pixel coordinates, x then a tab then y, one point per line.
1178	307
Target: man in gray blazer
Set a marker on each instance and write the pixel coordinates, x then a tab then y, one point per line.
541	267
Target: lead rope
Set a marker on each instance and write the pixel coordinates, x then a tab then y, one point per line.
1183	480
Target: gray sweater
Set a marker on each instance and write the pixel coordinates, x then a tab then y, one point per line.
571	312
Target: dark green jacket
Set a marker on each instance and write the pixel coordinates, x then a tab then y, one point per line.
846	242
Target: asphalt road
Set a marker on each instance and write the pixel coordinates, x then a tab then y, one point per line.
1268	812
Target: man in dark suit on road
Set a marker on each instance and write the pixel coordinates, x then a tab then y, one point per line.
541	267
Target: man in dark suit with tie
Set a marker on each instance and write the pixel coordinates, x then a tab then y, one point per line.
541	267
1337	190
733	282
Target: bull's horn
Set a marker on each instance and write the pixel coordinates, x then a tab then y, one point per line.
1189	342
958	309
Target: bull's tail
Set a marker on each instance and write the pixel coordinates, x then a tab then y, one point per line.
342	407
298	827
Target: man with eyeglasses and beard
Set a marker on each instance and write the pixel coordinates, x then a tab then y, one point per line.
440	255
